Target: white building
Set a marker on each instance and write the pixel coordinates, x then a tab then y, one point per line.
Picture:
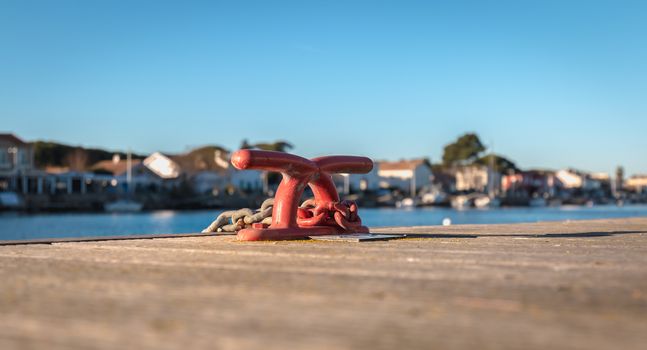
16	156
574	179
206	169
477	178
162	165
346	183
637	183
16	161
407	175
209	170
17	172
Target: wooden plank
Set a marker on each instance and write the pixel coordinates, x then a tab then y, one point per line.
104	238
567	285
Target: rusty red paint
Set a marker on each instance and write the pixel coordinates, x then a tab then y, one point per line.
288	220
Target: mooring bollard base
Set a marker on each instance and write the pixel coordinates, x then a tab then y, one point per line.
357	237
325	214
281	234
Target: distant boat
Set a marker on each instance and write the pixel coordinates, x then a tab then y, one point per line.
461	202
407	203
123	205
10	200
537	202
433	198
386	200
487	202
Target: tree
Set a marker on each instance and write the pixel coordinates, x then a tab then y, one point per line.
57	154
465	150
245	145
498	163
279	146
76	160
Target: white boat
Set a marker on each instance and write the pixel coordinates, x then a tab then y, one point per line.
461	202
537	202
126	205
10	200
407	203
433	198
487	202
123	206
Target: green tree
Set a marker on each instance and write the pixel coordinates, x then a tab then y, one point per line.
245	145
77	158
464	150
279	146
498	163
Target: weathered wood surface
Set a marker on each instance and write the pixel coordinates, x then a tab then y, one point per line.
576	285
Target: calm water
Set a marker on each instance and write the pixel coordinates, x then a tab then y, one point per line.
21	226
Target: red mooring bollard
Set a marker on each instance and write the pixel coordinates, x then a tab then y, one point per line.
326	216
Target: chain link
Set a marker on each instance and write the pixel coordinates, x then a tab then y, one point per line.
235	220
343	214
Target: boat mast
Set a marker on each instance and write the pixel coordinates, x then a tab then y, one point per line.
413	182
491	171
129	171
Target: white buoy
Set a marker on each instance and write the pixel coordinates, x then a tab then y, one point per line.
447	222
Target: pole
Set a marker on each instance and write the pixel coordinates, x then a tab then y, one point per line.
491	172
413	183
129	171
346	183
14	152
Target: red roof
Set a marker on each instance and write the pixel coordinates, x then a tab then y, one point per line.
11	138
402	164
115	168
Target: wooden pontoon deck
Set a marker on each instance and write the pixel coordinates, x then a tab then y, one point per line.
566	285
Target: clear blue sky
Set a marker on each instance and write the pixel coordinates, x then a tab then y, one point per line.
550	83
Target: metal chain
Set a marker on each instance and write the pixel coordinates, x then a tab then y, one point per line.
235	220
343	214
